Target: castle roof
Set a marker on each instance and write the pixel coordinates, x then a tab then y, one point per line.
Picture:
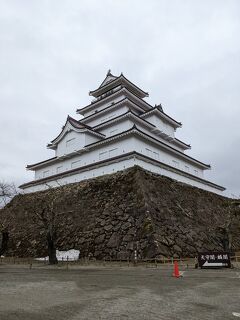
76	124
111	82
162	114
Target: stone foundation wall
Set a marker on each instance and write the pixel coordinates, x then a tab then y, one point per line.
111	216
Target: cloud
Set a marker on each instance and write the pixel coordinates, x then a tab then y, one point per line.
184	53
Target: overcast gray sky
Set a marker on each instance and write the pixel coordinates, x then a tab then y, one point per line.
186	54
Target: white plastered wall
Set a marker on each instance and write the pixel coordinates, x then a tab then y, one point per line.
161	124
102	152
112	149
167	157
117	166
108	115
73	141
127	123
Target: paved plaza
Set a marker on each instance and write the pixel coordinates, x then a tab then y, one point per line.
58	293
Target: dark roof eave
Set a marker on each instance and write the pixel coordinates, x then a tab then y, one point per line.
29	166
91	92
51	146
144	92
94	102
94	92
179	124
76	124
187	145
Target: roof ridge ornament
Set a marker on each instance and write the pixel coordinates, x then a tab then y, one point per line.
109	73
159	106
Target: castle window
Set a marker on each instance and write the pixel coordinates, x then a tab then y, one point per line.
156	155
75	164
46	173
175	163
149	152
113	131
108	118
70	142
103	155
112	152
59	169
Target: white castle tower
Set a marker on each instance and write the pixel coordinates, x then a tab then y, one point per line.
119	130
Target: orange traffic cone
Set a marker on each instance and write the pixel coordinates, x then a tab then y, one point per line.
176	273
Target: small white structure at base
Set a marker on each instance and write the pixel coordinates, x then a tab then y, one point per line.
70	255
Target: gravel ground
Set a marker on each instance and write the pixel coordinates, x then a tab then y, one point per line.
45	293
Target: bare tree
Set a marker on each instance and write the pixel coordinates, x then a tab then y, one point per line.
46	207
229	223
7	192
4	236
